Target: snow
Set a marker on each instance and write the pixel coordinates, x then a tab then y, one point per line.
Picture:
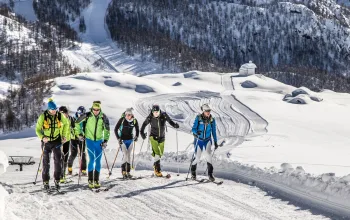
3	192
98	48
4	86
286	150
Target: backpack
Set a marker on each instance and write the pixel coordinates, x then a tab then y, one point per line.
57	117
121	125
88	115
199	116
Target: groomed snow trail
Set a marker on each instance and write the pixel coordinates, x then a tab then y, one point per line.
147	198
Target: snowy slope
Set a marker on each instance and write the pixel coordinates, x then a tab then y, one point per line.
256	140
99	49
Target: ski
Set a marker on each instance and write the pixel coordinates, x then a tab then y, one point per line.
168	176
217	182
101	189
132	178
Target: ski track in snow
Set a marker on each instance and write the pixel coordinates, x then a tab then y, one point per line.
156	198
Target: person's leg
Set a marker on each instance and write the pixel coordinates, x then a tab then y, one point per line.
198	153
208	157
46	163
65	150
98	159
128	162
91	152
73	155
57	158
155	154
82	145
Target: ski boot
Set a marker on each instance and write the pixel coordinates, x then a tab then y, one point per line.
90	179
125	176
96	180
91	184
57	185
157	171
193	172
128	175
70	170
63	180
83	173
46	185
210	172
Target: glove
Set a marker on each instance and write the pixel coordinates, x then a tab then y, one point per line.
197	134
120	141
104	144
64	140
45	140
136	138
81	137
176	125
143	135
216	145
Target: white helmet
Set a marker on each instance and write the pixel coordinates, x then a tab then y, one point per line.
129	111
205	107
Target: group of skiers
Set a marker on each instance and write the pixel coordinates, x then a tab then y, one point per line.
61	134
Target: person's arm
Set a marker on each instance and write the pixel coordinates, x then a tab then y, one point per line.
213	131
106	130
171	122
116	128
137	128
39	127
78	129
195	127
65	127
144	124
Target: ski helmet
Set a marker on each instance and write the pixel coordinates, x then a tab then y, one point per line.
81	110
205	107
129	111
63	109
155	108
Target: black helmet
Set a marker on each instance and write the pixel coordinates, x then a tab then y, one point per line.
155	108
81	110
63	109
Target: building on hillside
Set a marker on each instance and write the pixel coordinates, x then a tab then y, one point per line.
247	69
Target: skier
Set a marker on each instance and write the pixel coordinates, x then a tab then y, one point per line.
53	129
65	147
204	127
124	133
157	120
76	143
96	132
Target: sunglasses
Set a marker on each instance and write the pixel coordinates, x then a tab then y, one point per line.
207	110
95	110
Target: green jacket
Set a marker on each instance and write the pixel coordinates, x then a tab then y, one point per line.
94	127
52	126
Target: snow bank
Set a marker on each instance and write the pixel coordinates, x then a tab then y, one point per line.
301	96
248	84
3	192
324	191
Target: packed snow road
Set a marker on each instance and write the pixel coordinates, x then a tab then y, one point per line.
147	198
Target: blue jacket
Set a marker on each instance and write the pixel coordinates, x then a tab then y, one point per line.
206	126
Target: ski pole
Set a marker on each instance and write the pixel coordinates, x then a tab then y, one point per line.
192	158
143	141
177	154
41	158
110	173
104	153
133	156
80	152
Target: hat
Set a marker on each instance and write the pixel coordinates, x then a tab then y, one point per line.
51	105
96	105
63	109
155	108
205	107
129	111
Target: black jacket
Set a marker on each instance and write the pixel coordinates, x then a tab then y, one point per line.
157	125
126	128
